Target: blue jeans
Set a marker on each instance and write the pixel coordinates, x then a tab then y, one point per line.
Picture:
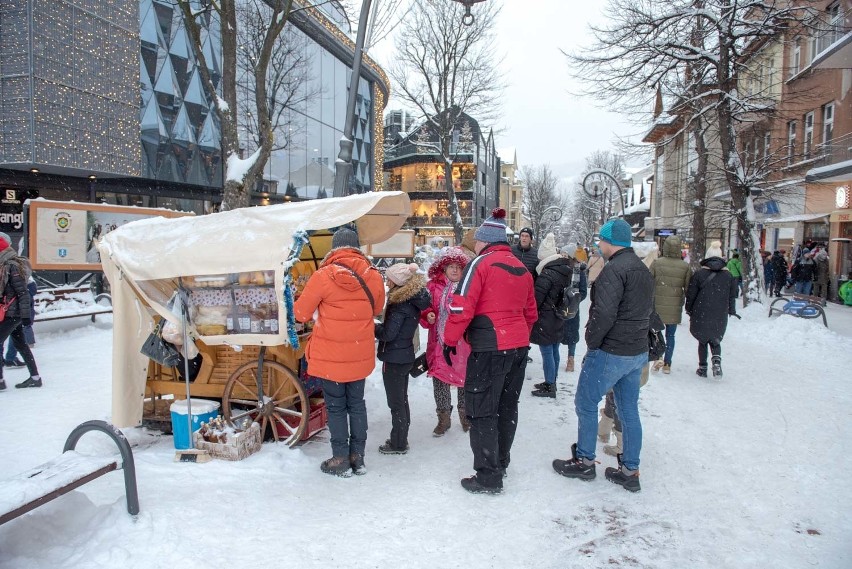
347	416
804	287
602	372
550	362
670	341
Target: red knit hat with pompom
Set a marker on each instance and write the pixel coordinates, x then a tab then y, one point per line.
449	256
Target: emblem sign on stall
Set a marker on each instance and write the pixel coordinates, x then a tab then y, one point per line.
63	235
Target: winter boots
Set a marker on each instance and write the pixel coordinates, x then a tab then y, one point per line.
701	371
605	428
34	381
569	364
338	466
474	486
388	448
2	385
624	477
356	461
667	369
465	424
575	467
443	424
618	447
546	390
717	366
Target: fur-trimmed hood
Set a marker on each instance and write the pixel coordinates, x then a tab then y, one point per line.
413	290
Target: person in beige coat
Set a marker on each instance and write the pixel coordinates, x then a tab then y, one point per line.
671	280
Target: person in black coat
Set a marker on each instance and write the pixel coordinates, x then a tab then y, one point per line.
617	350
14	274
407	298
710	299
525	252
554	274
779	272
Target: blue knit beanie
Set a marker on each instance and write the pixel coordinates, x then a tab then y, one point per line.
493	229
617	232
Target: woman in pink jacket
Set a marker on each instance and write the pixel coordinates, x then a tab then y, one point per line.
444	273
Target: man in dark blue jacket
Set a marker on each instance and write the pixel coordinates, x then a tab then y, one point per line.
617	342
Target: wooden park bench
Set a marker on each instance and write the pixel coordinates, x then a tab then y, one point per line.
70	302
31	489
800	306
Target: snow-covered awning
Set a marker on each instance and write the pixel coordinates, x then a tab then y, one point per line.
644	206
840	171
792	220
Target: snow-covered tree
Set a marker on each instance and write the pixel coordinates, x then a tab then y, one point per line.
270	17
541	193
446	70
694	50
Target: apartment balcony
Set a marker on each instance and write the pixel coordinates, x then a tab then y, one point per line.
834	50
834	161
430	186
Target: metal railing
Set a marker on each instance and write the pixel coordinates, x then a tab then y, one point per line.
431	185
435	221
836	151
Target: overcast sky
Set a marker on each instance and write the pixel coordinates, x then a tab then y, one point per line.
545	123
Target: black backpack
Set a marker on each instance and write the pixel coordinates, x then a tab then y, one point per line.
568	304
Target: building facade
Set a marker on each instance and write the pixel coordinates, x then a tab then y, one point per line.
805	142
795	149
512	189
420	171
102	102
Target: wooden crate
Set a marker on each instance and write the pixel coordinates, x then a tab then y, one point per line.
238	447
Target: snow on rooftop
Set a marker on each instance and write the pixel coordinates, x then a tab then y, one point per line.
507	155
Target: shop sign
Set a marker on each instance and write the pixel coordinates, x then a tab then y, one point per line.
841	198
843	216
12	209
665	232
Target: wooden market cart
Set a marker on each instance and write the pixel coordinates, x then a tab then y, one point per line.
240	303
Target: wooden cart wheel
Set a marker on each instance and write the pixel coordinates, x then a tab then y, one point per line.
284	396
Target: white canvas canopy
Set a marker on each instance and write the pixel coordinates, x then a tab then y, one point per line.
236	241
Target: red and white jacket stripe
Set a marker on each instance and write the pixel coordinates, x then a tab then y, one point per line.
494	304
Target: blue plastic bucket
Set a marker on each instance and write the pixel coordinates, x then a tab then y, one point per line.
202	411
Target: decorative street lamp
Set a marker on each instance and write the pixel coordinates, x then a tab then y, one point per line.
599	185
467	19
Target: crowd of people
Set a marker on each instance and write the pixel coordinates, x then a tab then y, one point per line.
484	303
806	270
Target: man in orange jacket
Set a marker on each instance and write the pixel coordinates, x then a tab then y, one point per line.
346	293
494	307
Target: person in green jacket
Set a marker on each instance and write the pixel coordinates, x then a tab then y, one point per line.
671	279
735	267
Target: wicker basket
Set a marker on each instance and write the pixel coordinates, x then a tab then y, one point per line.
238	447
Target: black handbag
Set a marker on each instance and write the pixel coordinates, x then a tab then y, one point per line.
159	350
420	366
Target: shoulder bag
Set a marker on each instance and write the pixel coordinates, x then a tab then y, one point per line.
159	350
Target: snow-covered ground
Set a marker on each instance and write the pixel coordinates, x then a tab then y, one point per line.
752	470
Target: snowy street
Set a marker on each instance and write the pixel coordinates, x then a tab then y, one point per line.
751	470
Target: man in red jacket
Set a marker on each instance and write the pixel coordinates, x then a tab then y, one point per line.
494	308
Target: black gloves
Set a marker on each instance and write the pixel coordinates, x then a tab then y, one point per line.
26	322
448	350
